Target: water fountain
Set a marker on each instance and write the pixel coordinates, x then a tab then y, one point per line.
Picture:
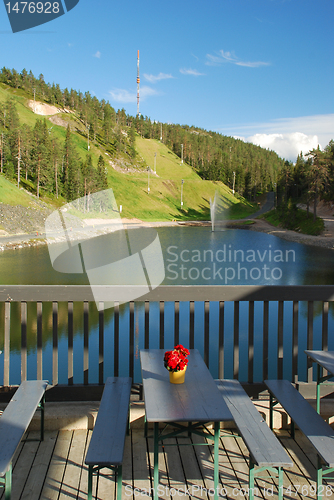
218	213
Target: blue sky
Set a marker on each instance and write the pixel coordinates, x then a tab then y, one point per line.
257	69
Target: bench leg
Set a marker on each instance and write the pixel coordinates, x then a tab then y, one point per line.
251	481
90	481
8	483
119	482
42	407
280	483
319	479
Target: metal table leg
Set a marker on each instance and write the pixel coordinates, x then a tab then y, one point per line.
216	458
156	459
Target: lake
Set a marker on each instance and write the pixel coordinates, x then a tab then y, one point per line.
192	256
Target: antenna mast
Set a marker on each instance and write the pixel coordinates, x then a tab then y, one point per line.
138	81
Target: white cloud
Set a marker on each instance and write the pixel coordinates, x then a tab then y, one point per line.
287	136
146	91
124	95
230	57
157	78
286	145
190	71
97	54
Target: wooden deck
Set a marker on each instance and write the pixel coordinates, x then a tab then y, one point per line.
54	469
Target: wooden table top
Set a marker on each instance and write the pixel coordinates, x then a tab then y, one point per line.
196	400
323	358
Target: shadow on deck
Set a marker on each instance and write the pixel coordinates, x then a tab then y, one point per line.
55	469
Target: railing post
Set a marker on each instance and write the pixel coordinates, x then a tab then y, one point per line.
176	322
147	325
295	342
310	316
54	343
116	339
101	343
251	342
236	340
6	348
86	343
280	340
265	338
206	332
191	324
162	324
39	340
132	340
23	341
70	343
221	339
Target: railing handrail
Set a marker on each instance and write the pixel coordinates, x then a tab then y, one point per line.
235	326
187	293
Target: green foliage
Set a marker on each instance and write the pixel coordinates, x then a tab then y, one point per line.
289	216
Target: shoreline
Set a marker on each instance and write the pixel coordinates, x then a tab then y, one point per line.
18	241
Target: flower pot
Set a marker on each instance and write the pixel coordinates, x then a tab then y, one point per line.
177	377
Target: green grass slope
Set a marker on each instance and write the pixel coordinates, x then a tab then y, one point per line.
11	195
163	201
130	183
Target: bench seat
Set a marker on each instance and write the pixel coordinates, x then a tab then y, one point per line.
309	422
15	421
264	448
106	447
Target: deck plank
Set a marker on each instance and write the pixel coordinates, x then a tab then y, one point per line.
74	465
174	482
127	467
83	486
23	465
192	471
299	475
57	466
40	465
141	472
58	463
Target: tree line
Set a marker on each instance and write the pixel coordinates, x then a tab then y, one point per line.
38	161
35	155
310	179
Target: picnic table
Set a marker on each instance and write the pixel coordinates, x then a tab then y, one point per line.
186	406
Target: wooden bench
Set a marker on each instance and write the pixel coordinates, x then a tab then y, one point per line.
15	421
106	447
265	450
309	422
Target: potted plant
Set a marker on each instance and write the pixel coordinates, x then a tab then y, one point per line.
176	363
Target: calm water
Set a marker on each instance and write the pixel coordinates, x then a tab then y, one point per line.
191	256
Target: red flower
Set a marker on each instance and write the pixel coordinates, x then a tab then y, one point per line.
176	359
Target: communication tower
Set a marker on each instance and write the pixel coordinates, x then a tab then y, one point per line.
138	81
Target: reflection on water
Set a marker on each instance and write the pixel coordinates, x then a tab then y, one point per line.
192	256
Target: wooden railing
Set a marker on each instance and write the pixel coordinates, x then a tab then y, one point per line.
245	332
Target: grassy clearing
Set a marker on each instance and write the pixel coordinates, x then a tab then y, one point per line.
163	202
11	195
295	219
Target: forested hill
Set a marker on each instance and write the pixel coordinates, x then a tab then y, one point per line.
56	161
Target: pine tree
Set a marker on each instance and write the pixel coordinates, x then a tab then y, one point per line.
71	179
